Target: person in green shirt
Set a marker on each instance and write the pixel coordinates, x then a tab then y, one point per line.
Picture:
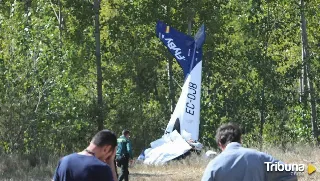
124	154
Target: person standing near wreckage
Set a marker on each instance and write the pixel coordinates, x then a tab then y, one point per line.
237	163
124	154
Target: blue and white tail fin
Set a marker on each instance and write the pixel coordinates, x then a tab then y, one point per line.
188	52
179	45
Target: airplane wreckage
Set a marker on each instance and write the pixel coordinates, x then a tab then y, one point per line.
182	132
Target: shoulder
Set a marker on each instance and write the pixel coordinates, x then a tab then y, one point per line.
250	151
121	139
217	161
228	155
265	157
67	157
253	152
62	165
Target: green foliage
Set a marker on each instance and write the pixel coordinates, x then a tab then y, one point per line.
251	70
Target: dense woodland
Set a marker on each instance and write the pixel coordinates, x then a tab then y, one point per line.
71	67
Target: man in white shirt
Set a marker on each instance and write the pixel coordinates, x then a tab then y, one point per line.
237	163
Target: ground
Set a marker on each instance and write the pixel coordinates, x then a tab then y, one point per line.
15	169
193	167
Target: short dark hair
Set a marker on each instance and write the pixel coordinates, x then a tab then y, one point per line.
105	137
228	133
125	132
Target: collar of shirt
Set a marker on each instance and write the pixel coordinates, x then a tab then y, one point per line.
233	145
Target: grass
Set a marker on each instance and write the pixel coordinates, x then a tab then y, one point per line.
18	168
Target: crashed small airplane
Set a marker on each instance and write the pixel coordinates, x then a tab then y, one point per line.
182	132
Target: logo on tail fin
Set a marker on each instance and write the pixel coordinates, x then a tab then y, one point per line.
171	45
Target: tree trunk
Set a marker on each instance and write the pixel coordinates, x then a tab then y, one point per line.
172	94
306	64
171	86
60	28
262	118
98	64
264	62
189	27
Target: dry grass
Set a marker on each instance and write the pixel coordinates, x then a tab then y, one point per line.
15	168
190	168
193	167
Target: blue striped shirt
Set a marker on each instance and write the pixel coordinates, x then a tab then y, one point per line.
237	163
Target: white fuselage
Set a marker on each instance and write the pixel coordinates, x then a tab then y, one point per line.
188	106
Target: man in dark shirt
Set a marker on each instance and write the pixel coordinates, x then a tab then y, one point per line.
95	163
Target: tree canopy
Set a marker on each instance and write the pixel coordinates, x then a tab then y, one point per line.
71	67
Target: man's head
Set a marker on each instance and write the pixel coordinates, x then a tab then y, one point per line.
104	143
228	133
126	133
